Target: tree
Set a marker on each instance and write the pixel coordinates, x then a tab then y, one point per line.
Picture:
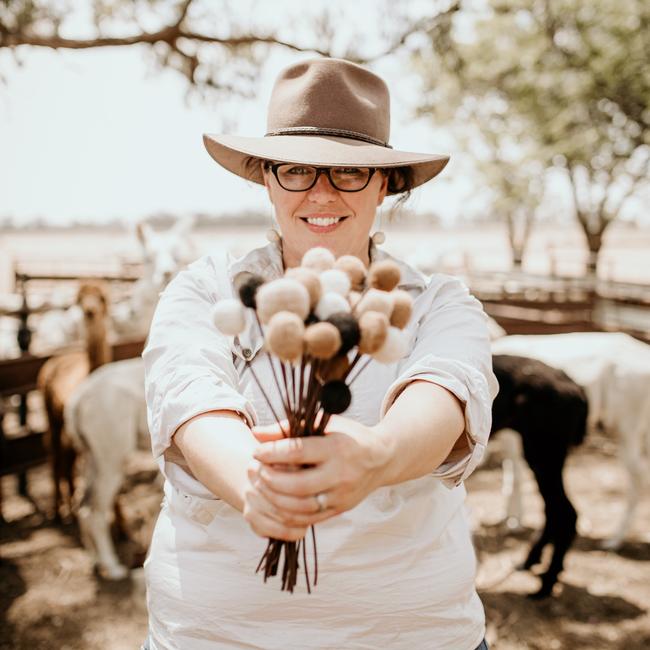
549	83
216	45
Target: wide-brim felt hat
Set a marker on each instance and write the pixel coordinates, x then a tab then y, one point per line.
324	112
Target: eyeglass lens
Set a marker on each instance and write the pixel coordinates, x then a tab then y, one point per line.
302	177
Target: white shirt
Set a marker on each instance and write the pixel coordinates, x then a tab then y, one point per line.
398	570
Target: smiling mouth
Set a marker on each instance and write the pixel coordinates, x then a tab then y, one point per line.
323	221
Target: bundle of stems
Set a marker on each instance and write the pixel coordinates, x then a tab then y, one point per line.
307	414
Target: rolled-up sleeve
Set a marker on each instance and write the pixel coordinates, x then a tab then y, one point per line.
452	349
189	368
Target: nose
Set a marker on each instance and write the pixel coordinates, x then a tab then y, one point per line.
323	192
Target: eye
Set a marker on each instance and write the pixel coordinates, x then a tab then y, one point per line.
298	171
351	171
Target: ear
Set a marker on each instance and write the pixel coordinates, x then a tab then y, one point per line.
143	231
183	226
383	189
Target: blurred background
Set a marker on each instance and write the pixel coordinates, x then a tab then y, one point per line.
544	107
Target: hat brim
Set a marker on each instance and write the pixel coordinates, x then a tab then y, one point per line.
234	153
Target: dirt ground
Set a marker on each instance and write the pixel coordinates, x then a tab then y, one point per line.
51	599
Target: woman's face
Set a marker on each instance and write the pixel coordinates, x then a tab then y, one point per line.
355	212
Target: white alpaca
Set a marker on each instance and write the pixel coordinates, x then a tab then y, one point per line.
614	370
107	419
164	254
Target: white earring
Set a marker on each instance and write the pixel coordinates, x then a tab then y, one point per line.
273	236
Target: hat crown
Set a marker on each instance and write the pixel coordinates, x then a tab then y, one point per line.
330	96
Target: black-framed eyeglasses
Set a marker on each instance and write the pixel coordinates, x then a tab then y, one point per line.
300	178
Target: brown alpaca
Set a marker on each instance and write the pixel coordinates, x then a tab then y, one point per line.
58	379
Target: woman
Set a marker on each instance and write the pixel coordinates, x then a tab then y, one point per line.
396	565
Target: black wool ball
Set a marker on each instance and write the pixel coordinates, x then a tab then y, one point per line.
247	285
335	397
348	329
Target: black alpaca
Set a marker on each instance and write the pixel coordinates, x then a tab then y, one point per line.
549	411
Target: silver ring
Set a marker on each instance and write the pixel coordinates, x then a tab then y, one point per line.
321	499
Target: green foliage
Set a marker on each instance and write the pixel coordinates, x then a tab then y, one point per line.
532	85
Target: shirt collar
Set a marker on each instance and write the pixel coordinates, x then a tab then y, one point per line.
267	262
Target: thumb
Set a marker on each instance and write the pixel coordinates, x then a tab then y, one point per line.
270	432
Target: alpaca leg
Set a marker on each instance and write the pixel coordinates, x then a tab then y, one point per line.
97	514
632	457
512	478
561	517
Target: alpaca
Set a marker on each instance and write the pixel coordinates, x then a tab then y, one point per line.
614	370
106	418
61	374
549	411
164	253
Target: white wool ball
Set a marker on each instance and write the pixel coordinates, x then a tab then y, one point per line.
319	259
331	303
394	348
283	294
375	300
335	281
229	317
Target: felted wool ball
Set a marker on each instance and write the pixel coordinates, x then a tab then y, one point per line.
309	279
229	317
246	285
335	281
402	308
319	259
348	329
284	335
284	294
373	326
331	303
354	297
375	300
384	275
355	269
335	369
322	340
394	347
335	397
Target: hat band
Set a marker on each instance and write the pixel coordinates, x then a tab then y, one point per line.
316	130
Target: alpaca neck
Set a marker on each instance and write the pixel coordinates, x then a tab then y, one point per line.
97	347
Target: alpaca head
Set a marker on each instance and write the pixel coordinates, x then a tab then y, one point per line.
165	252
93	301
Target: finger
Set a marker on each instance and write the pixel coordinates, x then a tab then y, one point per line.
264	526
275	431
287	503
303	483
296	451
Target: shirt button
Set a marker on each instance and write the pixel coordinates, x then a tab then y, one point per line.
247	352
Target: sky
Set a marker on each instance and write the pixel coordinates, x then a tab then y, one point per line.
103	134
100	134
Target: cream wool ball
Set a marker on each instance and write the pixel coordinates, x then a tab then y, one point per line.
394	348
355	269
354	297
384	275
284	294
373	326
375	300
402	308
319	259
229	316
309	279
336	281
284	335
322	340
331	303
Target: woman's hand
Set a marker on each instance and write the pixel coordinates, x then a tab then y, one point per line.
344	466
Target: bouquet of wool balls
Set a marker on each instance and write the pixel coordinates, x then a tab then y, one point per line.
318	322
